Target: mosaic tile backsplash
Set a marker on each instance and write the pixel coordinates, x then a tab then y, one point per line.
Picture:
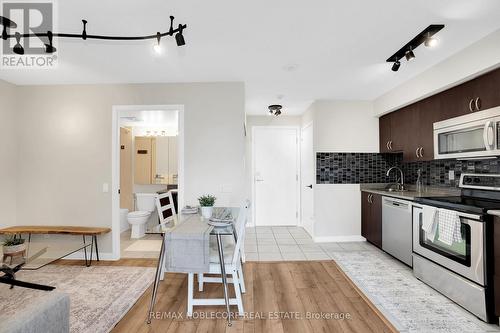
359	168
355	168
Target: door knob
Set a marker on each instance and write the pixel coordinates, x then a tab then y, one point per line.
310	186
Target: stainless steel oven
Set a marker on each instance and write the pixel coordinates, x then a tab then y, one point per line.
466	258
473	135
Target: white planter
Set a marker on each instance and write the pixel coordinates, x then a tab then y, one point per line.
206	212
14	248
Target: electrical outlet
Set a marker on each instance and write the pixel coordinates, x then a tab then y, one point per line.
451	175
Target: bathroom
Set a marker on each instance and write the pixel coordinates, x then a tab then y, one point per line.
148	166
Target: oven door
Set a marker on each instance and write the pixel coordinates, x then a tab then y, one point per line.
466	258
471	139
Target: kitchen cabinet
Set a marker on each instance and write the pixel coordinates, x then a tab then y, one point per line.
410	129
385	133
496	263
145	159
371	218
156	160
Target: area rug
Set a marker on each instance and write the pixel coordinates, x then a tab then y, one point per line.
100	295
409	304
145	245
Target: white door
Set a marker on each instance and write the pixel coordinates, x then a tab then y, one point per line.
275	152
307	179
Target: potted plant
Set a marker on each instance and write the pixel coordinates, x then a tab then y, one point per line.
207	205
13	245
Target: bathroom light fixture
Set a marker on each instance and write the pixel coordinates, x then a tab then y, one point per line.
275	109
409	55
407	51
18	49
395	66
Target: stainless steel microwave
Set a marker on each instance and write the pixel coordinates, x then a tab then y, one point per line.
473	135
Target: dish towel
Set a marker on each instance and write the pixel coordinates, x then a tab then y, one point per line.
429	222
449	226
187	247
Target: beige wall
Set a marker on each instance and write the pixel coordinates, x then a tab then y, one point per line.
64	140
8	153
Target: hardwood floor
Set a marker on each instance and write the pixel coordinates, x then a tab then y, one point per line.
277	294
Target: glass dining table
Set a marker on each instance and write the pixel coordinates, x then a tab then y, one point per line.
217	232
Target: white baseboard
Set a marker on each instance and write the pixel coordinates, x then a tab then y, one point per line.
339	239
81	256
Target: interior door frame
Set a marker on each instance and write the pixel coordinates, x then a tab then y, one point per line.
115	163
309	124
297	187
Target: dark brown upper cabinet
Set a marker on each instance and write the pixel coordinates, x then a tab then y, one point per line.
410	129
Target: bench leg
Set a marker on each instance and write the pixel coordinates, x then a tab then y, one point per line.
96	249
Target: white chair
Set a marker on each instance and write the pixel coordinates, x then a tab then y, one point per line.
233	267
166	214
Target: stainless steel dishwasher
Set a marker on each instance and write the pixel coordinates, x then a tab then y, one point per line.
397	229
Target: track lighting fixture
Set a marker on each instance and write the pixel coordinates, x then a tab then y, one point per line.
409	55
157	46
395	66
49	48
179	38
407	51
430	41
275	109
18	49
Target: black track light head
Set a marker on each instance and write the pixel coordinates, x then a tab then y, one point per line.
409	55
157	46
4	32
48	47
179	38
18	49
84	32
430	41
171	30
395	66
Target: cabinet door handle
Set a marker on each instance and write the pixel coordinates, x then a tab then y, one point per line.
471	106
368	198
387	145
421	153
416	152
371	198
390	145
478	103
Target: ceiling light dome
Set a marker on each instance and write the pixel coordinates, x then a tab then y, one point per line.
275	109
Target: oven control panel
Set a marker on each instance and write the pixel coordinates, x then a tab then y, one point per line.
480	181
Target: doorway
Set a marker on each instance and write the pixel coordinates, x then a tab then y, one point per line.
307	179
275	155
147	158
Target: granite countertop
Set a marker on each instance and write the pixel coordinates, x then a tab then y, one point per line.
411	194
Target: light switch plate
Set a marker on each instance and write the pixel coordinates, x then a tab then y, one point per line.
451	175
105	188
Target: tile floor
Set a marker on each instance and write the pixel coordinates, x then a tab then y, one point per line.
125	242
291	243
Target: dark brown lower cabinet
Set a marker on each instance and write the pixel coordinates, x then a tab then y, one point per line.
371	218
496	263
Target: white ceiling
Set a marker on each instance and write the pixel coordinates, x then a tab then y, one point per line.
337	49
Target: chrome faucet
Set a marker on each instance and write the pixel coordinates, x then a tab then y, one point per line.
401	186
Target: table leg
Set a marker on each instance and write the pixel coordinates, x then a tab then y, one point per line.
157	280
224	278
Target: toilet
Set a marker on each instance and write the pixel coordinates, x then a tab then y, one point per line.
145	204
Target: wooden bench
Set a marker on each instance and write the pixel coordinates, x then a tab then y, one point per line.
93	232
